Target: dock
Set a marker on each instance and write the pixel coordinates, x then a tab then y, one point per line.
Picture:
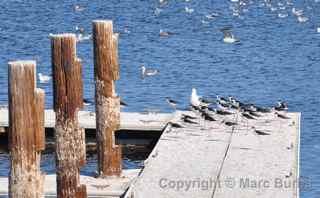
144	121
211	159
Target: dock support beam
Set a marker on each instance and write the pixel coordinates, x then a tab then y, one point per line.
68	99
106	70
26	131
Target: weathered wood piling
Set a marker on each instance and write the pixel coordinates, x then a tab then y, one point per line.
26	131
106	69
70	138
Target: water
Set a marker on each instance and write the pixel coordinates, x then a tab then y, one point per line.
276	58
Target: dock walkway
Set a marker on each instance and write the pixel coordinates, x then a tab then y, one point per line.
214	160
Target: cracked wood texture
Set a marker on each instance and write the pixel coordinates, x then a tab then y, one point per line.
106	69
70	138
26	131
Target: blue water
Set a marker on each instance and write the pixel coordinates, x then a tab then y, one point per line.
277	58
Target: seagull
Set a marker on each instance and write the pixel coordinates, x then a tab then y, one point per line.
188	10
43	78
297	12
78	8
318	29
302	19
212	16
82	37
188	116
171	102
197	101
148	72
228	37
282	15
163	33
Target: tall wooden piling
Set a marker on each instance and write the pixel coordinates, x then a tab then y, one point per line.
107	102
26	130
70	138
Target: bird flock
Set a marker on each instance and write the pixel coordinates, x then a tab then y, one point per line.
215	110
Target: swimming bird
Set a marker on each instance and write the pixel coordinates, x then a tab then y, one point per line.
87	102
228	37
188	10
171	102
163	33
282	15
212	16
302	19
318	29
78	8
123	104
297	12
148	72
43	78
82	37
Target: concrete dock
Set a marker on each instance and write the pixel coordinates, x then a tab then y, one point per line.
211	159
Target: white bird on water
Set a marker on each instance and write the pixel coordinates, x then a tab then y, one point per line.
43	78
228	37
188	10
148	72
318	29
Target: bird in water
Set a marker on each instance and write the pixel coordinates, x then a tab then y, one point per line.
148	72
163	33
43	78
171	102
189	10
228	37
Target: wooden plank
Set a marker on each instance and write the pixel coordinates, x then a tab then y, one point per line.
96	187
187	155
262	165
128	120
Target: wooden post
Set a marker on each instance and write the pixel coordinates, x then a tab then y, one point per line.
26	130
70	138
107	102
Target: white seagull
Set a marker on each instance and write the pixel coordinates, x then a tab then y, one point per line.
43	78
197	101
148	72
228	37
318	29
188	10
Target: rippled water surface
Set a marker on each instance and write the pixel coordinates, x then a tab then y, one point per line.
276	58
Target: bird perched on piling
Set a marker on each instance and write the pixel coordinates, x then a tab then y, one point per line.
228	37
148	72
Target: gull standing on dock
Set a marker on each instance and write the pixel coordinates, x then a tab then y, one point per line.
148	72
43	78
228	37
197	101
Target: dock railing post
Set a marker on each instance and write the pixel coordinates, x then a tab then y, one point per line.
68	99
106	71
26	131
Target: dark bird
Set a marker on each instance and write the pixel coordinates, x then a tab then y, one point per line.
188	116
222	112
281	106
171	102
247	115
282	116
207	117
175	125
259	132
228	123
87	102
188	121
123	104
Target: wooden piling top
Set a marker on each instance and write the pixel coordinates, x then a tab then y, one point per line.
220	161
